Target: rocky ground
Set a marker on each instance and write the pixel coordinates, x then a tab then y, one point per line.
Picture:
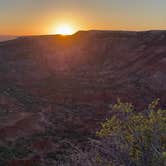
55	90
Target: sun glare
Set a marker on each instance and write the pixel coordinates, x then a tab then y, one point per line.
64	30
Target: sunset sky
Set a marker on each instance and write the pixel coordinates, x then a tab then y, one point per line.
27	17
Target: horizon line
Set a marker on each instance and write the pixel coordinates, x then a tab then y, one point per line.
47	34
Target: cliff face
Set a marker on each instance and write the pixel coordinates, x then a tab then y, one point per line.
107	64
67	83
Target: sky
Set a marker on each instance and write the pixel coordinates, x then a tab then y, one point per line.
34	17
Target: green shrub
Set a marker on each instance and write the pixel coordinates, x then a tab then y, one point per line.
136	138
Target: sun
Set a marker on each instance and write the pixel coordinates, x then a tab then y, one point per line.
64	30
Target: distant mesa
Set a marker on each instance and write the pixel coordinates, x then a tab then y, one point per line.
6	37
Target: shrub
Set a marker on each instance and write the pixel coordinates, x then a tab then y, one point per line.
131	138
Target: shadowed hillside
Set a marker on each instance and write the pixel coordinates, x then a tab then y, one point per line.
56	89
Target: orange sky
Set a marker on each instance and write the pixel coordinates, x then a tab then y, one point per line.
29	17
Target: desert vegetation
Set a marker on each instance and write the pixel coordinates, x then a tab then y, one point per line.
131	138
126	138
